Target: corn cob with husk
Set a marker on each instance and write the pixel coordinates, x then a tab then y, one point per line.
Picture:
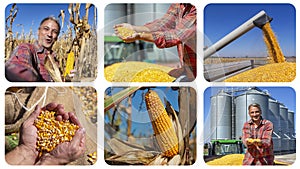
163	129
70	64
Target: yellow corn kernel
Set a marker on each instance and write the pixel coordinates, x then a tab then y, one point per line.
133	71
272	44
69	64
232	159
125	32
152	75
274	72
52	132
92	157
257	140
163	129
250	140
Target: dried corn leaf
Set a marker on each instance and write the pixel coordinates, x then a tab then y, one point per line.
120	147
52	69
137	157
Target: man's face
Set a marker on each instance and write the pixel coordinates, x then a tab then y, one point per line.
254	113
48	33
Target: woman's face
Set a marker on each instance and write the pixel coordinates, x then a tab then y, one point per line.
48	33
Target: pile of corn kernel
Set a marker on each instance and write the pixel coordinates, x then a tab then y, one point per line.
231	159
88	98
234	160
52	132
125	32
133	71
274	72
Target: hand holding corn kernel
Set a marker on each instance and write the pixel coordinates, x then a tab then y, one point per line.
126	32
31	141
251	141
61	135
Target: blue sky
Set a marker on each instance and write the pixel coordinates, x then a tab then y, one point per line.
221	19
141	123
285	95
30	15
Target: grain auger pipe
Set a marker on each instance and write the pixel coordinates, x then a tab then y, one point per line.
259	20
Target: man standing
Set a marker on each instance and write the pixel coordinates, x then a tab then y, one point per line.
257	137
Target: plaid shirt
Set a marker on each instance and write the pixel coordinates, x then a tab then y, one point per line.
177	28
27	63
261	155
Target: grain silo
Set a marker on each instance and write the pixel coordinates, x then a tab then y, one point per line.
221	108
291	124
243	101
273	116
284	130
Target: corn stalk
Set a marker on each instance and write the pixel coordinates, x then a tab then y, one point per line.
9	40
82	38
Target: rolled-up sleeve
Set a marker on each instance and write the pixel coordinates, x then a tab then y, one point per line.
170	30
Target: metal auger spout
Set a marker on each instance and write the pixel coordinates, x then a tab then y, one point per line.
259	20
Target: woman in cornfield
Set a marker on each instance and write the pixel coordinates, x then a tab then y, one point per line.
27	62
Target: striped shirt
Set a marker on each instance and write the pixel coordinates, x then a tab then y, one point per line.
178	28
260	155
27	63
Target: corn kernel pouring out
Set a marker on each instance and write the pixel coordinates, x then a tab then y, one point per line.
52	132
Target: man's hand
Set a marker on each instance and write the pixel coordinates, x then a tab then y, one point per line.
68	151
26	152
133	35
28	133
253	142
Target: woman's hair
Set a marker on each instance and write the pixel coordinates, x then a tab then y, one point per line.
52	18
254	105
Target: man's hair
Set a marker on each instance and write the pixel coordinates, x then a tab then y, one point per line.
52	18
254	105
